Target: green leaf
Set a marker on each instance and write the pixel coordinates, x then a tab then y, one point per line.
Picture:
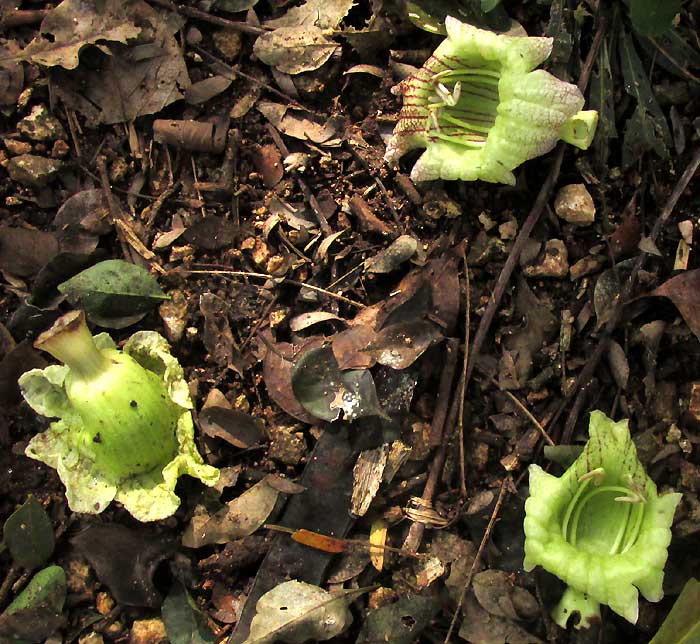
653	17
184	622
28	533
36	612
325	391
113	289
563	455
430	15
647	129
489	5
682	624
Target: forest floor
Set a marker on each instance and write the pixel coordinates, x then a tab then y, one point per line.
369	358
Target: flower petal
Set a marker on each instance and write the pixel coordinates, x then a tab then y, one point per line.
85	491
43	390
152	351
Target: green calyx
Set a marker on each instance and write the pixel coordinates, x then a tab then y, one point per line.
480	110
601	527
124	430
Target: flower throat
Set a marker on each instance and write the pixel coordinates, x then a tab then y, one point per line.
603	518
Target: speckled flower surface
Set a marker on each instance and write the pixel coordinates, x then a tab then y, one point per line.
124	428
480	108
601	527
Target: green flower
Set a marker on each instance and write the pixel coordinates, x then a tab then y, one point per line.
125	428
601	527
480	111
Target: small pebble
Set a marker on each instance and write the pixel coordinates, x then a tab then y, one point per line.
575	205
554	263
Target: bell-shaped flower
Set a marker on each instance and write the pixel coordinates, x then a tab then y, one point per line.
125	429
601	527
480	110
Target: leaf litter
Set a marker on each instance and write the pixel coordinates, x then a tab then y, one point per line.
348	375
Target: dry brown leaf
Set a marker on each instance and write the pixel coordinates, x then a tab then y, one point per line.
684	291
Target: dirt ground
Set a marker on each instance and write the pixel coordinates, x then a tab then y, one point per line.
370	358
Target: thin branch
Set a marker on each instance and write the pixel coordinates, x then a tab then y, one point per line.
479	555
265	276
198	14
589	369
463	379
529	224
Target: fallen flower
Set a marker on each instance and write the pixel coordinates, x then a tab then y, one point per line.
124	430
480	111
601	527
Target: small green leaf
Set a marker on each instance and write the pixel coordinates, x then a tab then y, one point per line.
28	534
113	289
563	455
35	613
489	5
653	17
430	15
325	391
184	622
682	624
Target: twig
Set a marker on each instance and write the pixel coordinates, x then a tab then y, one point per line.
589	368
198	14
108	619
227	71
513	259
444	391
265	276
114	210
20	17
463	379
259	322
529	224
671	59
11	577
514	399
308	195
132	246
378	181
415	532
587	68
479	554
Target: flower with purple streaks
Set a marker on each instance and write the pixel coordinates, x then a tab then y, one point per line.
480	110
